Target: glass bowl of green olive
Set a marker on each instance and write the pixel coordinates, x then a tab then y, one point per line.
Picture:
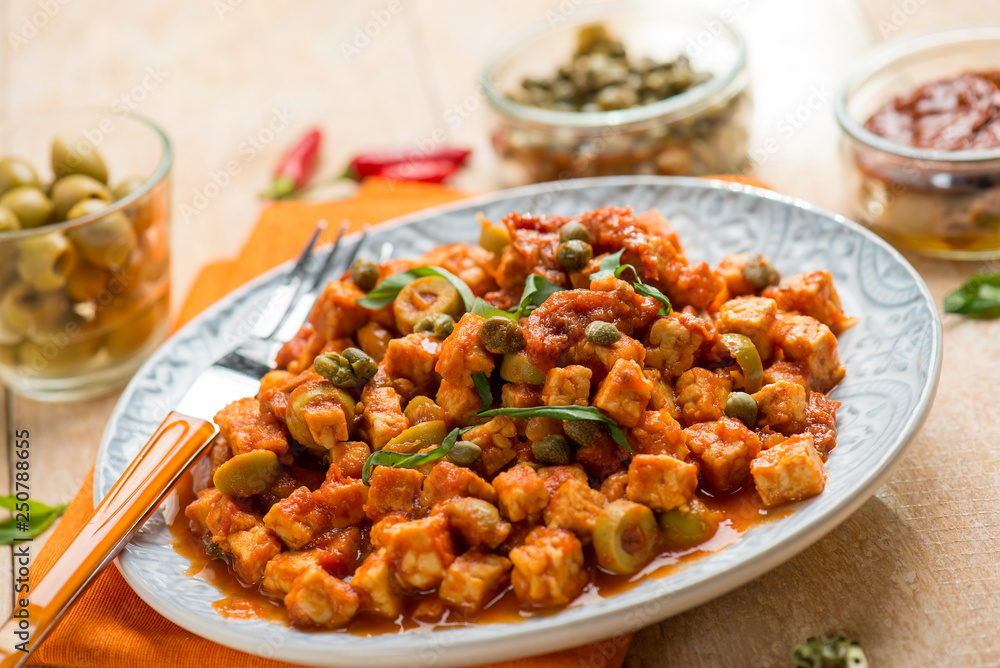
622	88
84	250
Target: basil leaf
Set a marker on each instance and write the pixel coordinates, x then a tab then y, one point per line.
482	384
978	297
609	265
406	460
483	308
649	291
40	516
565	413
536	290
389	288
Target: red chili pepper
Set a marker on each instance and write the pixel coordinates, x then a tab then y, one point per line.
376	162
295	168
425	171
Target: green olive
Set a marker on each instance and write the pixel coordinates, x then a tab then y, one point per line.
574	231
77	155
45	261
501	335
318	398
8	219
423	409
517	368
743	407
574	254
25	311
58	357
423	297
464	453
439	325
553	450
69	190
602	333
363	365
16	172
420	436
624	537
142	212
365	274
760	273
106	242
248	473
582	432
129	336
29	204
494	238
127	187
688	525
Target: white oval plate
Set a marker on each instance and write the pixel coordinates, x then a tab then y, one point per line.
893	358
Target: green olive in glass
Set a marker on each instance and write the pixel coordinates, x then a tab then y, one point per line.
16	172
44	261
77	155
57	356
8	219
69	190
141	212
29	204
106	242
24	310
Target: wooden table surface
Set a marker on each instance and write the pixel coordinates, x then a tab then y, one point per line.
914	574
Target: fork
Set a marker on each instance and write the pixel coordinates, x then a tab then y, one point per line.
177	444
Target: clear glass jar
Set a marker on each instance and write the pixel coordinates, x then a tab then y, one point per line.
941	203
83	302
702	131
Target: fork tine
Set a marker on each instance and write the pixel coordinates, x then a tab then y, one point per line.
298	272
321	274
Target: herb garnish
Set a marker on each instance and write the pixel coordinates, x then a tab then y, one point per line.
389	288
612	265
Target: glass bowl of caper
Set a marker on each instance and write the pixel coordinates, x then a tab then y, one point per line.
84	250
624	88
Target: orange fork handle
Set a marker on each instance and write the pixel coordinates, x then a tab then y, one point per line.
137	493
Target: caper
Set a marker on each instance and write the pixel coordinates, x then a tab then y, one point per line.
760	273
553	450
743	407
16	172
29	204
574	231
602	333
215	550
365	274
464	453
574	254
69	190
440	325
501	336
77	155
362	364
336	369
582	432
8	219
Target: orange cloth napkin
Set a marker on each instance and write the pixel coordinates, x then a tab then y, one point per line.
109	625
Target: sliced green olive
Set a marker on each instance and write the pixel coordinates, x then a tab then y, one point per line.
105	242
574	254
29	204
501	335
423	409
625	537
77	155
494	238
365	274
313	410
745	353
688	525
574	231
45	261
602	333
69	190
420	436
16	172
247	474
8	219
517	368
760	273
423	297
439	325
464	453
553	450
743	407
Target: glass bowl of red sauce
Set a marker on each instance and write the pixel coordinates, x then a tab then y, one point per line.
921	124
